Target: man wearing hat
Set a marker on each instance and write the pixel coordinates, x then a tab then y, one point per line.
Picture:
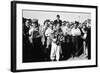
76	33
58	21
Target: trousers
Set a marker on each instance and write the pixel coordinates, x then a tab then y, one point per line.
55	51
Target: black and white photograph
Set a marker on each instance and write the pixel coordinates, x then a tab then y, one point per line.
56	36
53	36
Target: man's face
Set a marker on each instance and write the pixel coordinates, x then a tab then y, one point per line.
58	18
27	23
51	26
33	24
75	25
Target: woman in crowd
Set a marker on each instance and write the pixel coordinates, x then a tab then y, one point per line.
47	34
35	39
27	47
88	38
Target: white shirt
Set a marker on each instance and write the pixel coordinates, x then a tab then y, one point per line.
75	32
48	32
64	29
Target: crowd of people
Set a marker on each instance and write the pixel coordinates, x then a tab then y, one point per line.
55	40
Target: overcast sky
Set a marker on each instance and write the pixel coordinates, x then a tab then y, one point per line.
43	15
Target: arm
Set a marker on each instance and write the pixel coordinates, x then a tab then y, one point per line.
31	34
84	34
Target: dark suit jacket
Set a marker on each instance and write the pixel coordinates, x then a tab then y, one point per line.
56	22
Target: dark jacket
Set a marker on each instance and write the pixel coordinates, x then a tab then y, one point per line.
58	22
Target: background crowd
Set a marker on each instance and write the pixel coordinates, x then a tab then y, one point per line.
55	40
